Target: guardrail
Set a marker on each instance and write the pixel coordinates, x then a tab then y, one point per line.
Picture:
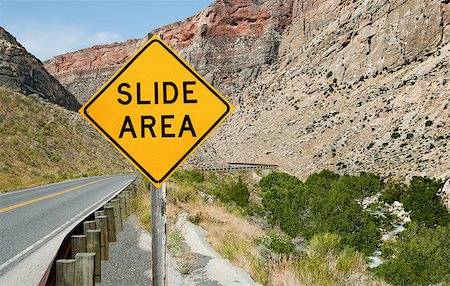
240	166
78	260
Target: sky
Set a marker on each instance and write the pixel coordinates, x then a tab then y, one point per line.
50	28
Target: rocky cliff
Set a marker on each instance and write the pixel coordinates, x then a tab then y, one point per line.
343	85
85	71
22	72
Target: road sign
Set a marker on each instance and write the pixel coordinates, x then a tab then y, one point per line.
156	110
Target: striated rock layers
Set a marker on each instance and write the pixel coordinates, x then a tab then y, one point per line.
22	72
85	71
343	85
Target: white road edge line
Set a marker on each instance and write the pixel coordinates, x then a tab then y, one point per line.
75	221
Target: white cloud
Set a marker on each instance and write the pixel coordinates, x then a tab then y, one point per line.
47	40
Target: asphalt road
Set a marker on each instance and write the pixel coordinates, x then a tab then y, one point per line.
28	218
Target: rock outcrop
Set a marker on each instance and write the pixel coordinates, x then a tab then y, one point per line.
22	72
85	71
343	85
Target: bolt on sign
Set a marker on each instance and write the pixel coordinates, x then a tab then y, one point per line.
156	110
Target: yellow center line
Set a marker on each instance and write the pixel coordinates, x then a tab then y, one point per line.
50	196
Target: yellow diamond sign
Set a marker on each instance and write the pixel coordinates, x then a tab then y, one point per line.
156	110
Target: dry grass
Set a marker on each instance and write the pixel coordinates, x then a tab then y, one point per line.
141	205
42	142
282	272
230	234
322	265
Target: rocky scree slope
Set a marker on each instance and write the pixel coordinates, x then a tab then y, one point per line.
342	85
22	72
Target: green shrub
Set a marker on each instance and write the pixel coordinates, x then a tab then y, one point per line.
393	193
327	202
366	184
422	258
278	179
197	218
326	263
277	243
425	205
323	181
324	243
189	176
428	123
282	199
175	243
183	193
234	192
409	135
395	135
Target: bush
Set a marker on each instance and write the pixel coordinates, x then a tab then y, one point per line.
189	176
197	218
324	244
366	184
278	179
393	193
425	205
234	192
322	181
282	198
422	258
428	123
327	202
326	263
277	243
183	193
395	135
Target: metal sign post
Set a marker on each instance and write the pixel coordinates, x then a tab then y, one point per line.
159	235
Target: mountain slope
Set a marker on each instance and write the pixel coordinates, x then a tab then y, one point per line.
342	85
43	142
22	72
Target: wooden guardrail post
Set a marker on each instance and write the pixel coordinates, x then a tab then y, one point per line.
109	212
159	235
93	246
123	211
102	224
65	272
84	269
78	244
127	202
117	215
99	213
88	225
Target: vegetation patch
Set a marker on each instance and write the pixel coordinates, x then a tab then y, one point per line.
42	143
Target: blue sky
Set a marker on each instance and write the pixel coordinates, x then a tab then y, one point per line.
49	28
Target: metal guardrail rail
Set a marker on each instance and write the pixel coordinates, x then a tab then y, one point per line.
240	166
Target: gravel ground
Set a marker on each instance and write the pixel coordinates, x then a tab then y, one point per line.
129	261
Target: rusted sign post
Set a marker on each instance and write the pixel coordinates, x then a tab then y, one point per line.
156	110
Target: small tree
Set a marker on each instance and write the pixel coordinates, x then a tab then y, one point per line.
425	205
422	257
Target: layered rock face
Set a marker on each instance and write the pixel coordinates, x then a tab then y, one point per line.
85	71
231	42
357	86
343	85
22	72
